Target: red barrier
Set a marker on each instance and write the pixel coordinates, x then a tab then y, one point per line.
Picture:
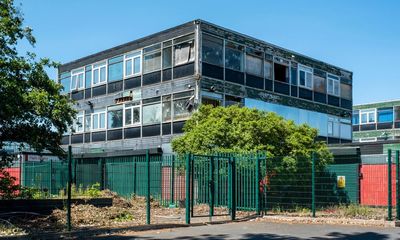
374	185
14	172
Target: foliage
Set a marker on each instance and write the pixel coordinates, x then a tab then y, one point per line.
8	187
32	111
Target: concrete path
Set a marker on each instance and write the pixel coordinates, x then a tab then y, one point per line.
265	230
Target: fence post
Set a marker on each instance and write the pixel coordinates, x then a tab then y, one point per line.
313	185
397	186
172	191
69	188
211	187
187	185
191	180
148	187
232	188
258	185
389	184
51	178
102	173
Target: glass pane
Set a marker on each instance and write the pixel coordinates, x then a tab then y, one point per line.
88	79
95	121
115	72
364	118
102	74
136	65
180	110
302	78
152	62
95	76
385	115
212	50
166	108
397	113
128	116
73	82
87	123
345	91
102	120
336	88
254	65
319	84
136	115
167	57
181	53
371	117
356	119
152	114
234	59
128	67
114	118
268	69
66	83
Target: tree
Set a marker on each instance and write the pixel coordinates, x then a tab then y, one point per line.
32	110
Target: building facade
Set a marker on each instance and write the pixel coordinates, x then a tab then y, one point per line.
378	121
138	95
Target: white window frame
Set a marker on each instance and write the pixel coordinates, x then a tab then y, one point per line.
101	65
81	115
368	112
131	109
99	111
306	70
76	73
132	58
331	77
370	139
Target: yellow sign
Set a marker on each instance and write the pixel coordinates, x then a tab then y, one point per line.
341	181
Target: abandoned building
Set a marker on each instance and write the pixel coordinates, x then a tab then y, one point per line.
138	95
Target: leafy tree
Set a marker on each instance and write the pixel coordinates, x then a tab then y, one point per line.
32	110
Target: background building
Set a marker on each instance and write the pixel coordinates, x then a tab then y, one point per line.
138	95
376	121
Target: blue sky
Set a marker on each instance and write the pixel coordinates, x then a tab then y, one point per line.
360	35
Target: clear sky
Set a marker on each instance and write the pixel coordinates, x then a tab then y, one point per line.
359	35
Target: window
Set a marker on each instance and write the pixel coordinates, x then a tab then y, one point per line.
167	57
184	53
115	69
267	69
65	82
151	111
99	119
333	127
115	116
345	91
234	56
385	115
254	65
281	73
305	77
152	58
232	100
333	85
99	73
78	79
87	122
356	117
397	113
319	84
132	113
132	63
78	123
367	116
182	104
213	50
166	108
88	76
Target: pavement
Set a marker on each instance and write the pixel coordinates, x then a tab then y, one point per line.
266	230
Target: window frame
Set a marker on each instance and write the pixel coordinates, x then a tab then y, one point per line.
335	80
119	107
368	112
99	111
305	69
77	72
131	110
132	58
81	114
105	65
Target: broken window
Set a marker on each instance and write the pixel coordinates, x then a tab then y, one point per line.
234	56
212	50
281	73
166	108
152	112
183	104
319	84
305	76
184	53
345	91
267	69
167	57
254	65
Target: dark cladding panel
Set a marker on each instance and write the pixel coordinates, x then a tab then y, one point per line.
178	127
167	74
344	103
213	71
77	138
132	83
115	87
234	76
88	93
319	97
254	81
166	128
77	95
268	85
293	91
282	88
132	132
98	136
87	137
114	134
184	70
152	78
100	90
332	100
151	130
65	140
305	93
